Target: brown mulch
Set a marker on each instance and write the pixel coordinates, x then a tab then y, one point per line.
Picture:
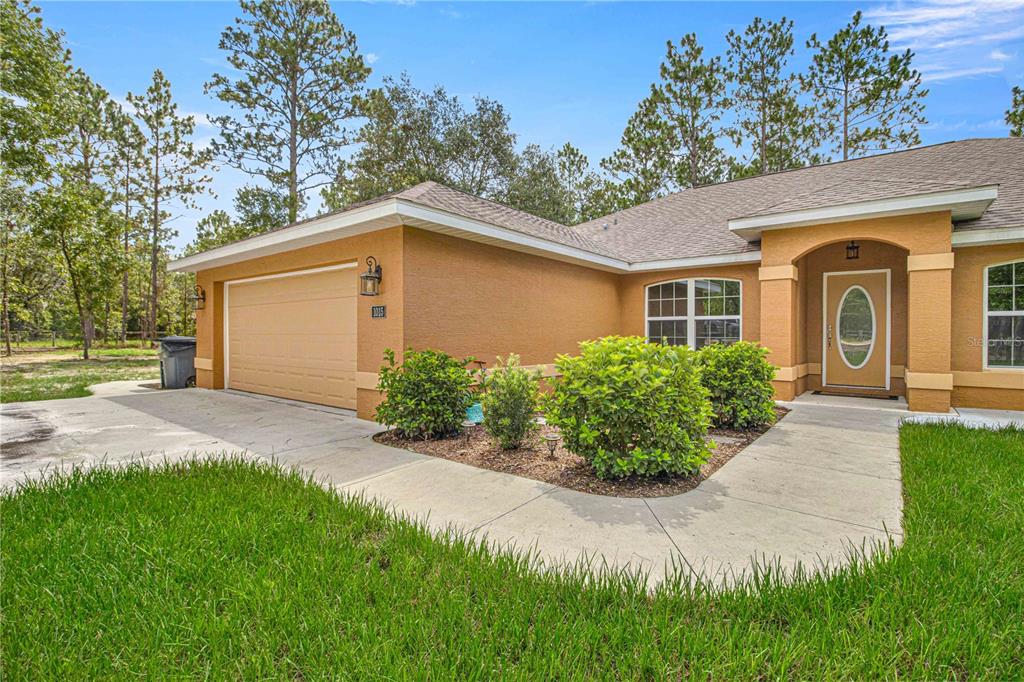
567	470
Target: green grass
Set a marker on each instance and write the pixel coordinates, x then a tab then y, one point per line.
68	378
230	570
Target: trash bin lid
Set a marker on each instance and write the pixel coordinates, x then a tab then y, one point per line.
176	343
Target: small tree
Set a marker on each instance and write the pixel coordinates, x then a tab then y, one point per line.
510	401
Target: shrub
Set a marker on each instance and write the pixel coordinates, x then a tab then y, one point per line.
739	382
632	407
510	401
426	396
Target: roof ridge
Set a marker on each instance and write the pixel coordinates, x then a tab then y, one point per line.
828	164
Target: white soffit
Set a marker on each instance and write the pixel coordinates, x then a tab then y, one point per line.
965	204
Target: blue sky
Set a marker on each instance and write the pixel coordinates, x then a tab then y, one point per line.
564	71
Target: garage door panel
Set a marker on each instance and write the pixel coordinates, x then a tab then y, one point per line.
295	337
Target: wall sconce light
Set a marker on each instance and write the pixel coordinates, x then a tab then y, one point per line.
197	298
852	250
369	281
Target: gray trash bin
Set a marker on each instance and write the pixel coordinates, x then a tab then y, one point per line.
177	361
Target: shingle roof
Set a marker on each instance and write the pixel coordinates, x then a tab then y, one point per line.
694	222
436	195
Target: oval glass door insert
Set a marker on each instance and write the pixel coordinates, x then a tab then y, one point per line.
856	322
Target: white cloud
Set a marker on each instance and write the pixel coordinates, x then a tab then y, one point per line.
938	75
371	57
953	38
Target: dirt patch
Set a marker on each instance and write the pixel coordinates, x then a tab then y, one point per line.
566	469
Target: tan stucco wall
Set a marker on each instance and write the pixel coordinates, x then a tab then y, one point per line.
928	297
972	385
472	299
632	295
373	334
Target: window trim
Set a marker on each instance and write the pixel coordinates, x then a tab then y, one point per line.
985	313
691	307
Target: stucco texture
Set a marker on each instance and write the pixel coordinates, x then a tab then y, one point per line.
472	299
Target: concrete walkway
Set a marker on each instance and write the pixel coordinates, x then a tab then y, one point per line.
824	479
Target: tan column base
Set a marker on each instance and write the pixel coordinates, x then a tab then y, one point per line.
367	400
785	390
929	400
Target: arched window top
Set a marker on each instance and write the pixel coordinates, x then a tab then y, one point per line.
694	312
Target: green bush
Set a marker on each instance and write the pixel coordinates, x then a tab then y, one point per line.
426	396
510	401
632	407
739	382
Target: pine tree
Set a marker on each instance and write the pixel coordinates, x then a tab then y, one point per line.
174	172
1015	114
779	130
867	99
691	99
300	84
641	168
127	168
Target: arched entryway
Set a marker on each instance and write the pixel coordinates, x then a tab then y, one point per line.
853	299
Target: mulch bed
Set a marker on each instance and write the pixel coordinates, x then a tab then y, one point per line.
566	469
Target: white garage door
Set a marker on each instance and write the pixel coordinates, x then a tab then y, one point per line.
294	336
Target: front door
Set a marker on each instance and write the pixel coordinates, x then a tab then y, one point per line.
855	337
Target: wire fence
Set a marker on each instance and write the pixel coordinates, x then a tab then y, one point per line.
25	341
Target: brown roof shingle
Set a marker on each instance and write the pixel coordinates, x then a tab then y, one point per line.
694	222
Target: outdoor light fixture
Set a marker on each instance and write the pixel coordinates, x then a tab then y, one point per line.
369	281
197	298
852	250
552	440
466	426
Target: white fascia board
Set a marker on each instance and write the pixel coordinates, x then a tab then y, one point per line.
988	236
315	231
963	203
411	210
697	262
392	212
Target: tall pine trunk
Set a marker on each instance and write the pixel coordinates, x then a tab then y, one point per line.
155	245
6	249
124	276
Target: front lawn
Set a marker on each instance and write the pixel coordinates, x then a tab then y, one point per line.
234	570
50	376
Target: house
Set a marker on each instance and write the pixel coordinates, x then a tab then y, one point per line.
898	274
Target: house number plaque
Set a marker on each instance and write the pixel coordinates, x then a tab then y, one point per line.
378	311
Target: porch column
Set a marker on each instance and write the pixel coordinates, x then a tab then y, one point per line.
779	325
929	374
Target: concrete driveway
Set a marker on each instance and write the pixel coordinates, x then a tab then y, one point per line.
823	480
